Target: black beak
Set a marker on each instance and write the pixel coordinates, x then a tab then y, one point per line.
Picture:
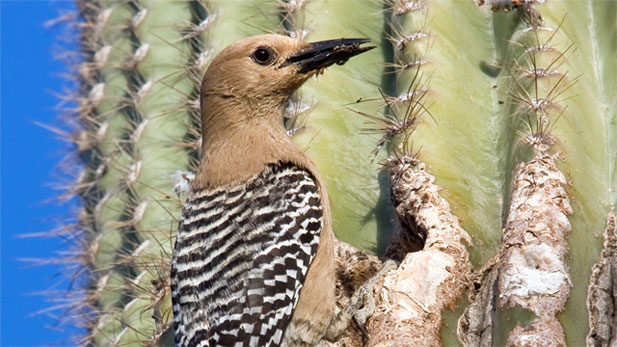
325	53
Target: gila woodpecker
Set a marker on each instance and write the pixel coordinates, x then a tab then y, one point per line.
253	263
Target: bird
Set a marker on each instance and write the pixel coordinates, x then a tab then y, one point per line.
253	261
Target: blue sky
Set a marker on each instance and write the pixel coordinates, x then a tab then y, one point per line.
29	153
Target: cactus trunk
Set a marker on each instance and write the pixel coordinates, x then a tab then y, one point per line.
494	120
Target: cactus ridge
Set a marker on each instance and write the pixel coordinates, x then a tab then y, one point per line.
122	227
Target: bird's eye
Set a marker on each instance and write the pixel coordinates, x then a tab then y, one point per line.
263	56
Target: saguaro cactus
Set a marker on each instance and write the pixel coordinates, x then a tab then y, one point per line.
476	133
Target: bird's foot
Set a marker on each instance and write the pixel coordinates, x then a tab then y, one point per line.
362	305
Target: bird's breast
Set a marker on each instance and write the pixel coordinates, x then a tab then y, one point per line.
244	251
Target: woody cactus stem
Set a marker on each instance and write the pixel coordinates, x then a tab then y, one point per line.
603	290
533	273
530	270
413	297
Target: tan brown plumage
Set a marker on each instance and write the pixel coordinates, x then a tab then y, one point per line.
254	257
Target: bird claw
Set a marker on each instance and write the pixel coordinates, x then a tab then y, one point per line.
362	305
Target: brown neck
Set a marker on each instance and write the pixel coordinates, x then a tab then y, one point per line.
239	139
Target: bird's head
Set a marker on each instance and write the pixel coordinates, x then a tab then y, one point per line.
262	72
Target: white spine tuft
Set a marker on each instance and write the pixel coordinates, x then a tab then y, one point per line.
183	180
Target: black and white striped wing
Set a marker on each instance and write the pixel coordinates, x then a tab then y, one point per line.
241	258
